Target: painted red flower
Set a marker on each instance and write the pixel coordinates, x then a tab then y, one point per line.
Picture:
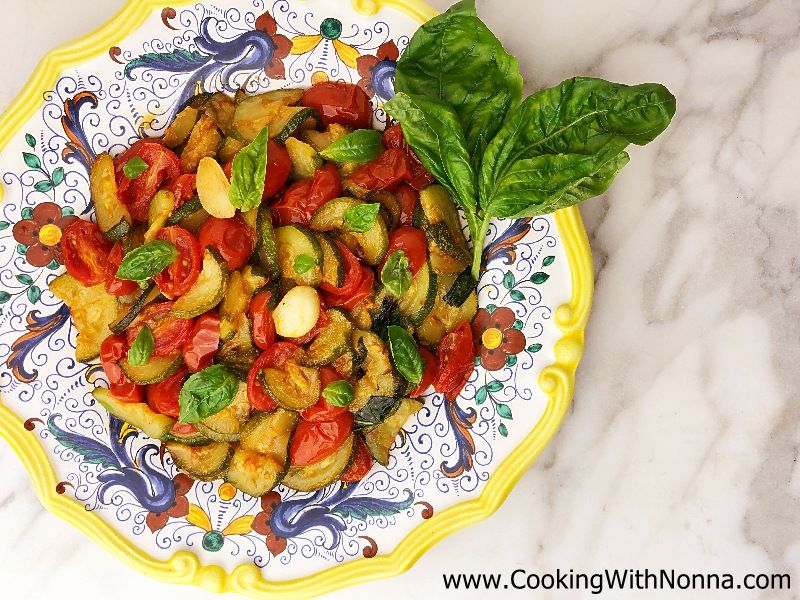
180	507
261	523
275	69
41	233
377	72
496	337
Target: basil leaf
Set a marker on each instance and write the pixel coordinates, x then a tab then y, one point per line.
142	347
338	393
405	354
377	410
135	167
147	260
396	273
363	145
361	218
249	172
206	393
303	263
454	57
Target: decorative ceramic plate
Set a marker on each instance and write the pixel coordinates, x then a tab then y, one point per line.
455	462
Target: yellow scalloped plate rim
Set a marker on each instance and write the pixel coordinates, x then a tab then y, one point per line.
184	567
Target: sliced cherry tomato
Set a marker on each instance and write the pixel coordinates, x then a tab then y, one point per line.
278	167
261	316
136	194
179	277
170	333
322	323
314	440
322	411
162	397
352	273
429	375
389	169
418	175
456	361
414	245
113	349
274	357
407	198
232	238
184	187
291	206
86	252
203	343
326	185
114	286
361	465
363	291
338	102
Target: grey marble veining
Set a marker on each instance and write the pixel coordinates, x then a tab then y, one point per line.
681	450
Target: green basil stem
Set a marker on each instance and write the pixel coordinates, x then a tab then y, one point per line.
478	233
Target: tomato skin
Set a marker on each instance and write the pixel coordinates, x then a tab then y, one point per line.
274	357
86	252
278	167
180	276
389	169
413	243
326	185
184	187
418	176
352	273
456	356
201	347
338	102
362	463
291	206
170	333
363	291
314	440
261	316
322	411
232	238
136	194
113	349
430	374
408	198
114	286
162	397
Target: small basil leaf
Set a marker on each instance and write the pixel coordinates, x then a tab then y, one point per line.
206	393
396	274
378	408
134	167
405	354
303	263
338	393
142	347
363	145
361	218
248	173
147	260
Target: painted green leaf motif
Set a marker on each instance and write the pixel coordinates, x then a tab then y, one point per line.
4	225
31	160
490	308
502	429
22	249
53	265
67	211
504	411
43	186
494	386
548	260
509	280
58	176
480	395
24	279
517	325
30	140
534	348
4	296
517	295
511	360
539	277
26	213
34	293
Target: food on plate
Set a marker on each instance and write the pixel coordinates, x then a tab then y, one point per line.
272	286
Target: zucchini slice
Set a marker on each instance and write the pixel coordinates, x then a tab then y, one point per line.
379	377
439	219
91	308
380	439
461	289
137	414
444	318
189	438
332	261
240	290
372	244
181	127
207	291
156	369
332	342
186	209
113	217
319	474
377	410
287	96
204	142
419	298
290	119
227	424
238	352
305	160
294	386
146	297
205	463
161	207
293	241
390	207
266	249
229	149
270	432
252	114
220	107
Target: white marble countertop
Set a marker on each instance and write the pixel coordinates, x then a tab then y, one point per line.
681	449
